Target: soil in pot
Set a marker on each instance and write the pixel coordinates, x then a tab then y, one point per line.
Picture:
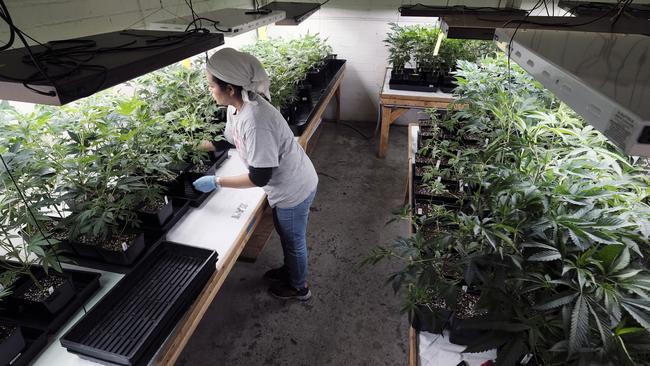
12	343
52	293
423	209
203	167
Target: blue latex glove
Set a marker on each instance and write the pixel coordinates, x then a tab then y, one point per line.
205	184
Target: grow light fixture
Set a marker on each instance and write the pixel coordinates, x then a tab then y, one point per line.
604	77
231	22
296	12
420	10
77	68
477	26
598	8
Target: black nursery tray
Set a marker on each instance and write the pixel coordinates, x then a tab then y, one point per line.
183	188
130	323
85	284
35	341
321	84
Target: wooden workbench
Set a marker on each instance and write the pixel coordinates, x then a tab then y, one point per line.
394	103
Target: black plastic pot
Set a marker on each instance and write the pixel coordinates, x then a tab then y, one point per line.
84	284
12	345
59	298
123	257
158	218
289	112
179	209
35	341
217	158
128	325
127	255
434	321
447	83
460	335
85	250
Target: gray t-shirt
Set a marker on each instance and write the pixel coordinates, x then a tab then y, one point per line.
264	140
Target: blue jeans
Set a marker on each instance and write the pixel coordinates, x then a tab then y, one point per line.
291	225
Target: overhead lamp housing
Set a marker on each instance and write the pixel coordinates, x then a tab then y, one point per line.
478	26
230	22
80	67
599	8
420	10
604	77
296	12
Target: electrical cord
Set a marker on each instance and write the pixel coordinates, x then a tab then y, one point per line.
214	25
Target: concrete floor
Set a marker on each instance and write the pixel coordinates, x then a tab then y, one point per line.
352	318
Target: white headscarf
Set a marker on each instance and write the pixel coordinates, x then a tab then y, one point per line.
241	69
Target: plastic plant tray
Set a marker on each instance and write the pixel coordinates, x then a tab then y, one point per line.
35	341
129	324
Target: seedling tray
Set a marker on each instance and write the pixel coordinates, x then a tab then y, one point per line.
129	324
35	341
85	284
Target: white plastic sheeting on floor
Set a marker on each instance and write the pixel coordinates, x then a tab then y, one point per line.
436	350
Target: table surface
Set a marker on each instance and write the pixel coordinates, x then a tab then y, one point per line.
386	91
215	225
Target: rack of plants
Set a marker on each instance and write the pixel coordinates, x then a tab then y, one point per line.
34	341
128	325
84	284
179	209
182	188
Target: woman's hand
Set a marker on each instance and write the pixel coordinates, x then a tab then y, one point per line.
206	145
206	184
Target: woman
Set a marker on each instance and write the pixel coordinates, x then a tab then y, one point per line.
275	161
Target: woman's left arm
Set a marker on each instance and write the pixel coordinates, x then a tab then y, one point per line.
236	181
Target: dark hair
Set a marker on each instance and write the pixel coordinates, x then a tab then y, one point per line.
223	85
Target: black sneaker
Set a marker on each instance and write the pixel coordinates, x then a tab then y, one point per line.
277	274
285	291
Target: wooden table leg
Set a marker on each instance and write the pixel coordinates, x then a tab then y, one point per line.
338	103
413	347
385	128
